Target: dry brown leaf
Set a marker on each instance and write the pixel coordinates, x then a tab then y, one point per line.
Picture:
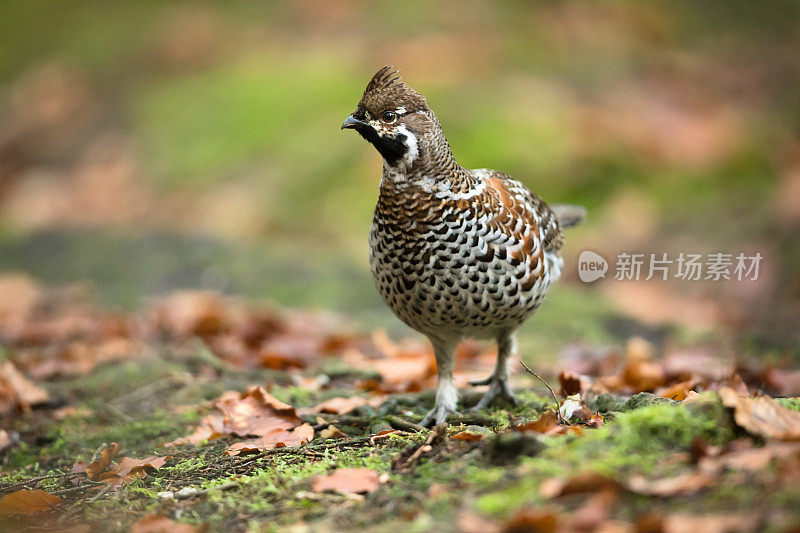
727	523
546	422
155	523
596	421
588	482
339	406
468	435
643	376
348	481
7	439
677	391
750	459
17	391
129	469
762	416
19	296
783	382
277	438
593	513
570	383
290	350
93	470
27	502
529	519
672	486
188	313
252	413
332	432
211	427
77	469
256	412
469	522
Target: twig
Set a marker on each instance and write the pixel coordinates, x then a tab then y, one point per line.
100	494
83	486
472	419
553	394
399	423
20	484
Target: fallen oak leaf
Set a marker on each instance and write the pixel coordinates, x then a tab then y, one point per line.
595	422
277	438
471	434
332	432
684	484
256	412
128	465
531	519
17	391
129	469
107	454
348	481
587	482
727	523
77	469
546	422
339	406
677	392
750	459
211	427
762	416
570	383
27	501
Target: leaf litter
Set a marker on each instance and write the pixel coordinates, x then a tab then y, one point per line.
53	334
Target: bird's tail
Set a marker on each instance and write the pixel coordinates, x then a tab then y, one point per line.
569	215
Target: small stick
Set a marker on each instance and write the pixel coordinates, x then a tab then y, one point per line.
553	394
15	486
399	423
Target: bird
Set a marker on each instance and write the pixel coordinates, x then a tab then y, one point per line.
455	253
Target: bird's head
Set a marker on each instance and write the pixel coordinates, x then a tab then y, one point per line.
393	117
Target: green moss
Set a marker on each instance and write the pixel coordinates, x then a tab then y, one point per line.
635	442
790	403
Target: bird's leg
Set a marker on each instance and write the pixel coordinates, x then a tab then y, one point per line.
498	381
446	393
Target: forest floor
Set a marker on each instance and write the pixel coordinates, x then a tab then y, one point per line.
205	412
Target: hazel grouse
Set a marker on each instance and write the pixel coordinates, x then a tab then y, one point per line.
454	252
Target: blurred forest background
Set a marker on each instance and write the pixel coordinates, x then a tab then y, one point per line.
153	145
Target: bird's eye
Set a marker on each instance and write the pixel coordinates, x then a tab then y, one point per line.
389	116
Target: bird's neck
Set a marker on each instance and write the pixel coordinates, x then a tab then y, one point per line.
429	166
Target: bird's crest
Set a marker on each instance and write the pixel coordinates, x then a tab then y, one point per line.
382	79
386	89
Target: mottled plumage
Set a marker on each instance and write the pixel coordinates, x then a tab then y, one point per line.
455	252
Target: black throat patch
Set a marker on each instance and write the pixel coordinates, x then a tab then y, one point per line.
391	149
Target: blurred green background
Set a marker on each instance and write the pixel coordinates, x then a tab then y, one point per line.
152	145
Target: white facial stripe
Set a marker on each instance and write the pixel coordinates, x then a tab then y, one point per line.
401	110
411	142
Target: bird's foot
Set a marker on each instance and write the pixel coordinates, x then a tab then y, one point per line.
498	391
479	382
438	415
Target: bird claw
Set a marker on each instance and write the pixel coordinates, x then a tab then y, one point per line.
479	382
438	415
498	390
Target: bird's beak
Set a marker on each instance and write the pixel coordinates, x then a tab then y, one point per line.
352	122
